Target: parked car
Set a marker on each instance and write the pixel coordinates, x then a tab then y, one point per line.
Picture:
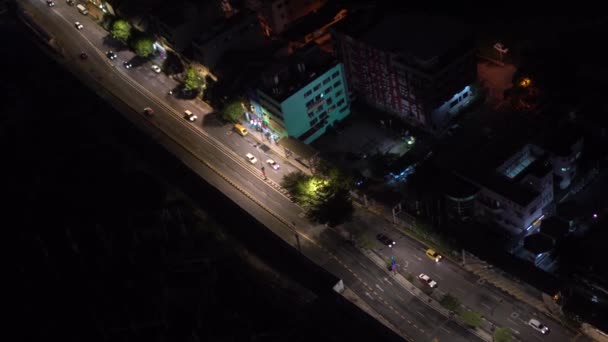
273	164
111	55
127	64
156	68
433	255
386	240
78	25
189	116
538	326
427	280
50	3
70	2
148	111
83	55
251	158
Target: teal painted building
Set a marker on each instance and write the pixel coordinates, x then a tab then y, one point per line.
302	97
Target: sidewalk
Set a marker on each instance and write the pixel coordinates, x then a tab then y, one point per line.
278	150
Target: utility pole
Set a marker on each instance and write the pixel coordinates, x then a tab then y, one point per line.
293	223
396	210
501	50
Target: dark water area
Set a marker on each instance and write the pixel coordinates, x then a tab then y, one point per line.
106	250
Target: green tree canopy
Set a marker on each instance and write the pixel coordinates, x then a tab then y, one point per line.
450	302
502	335
471	318
172	64
233	110
144	46
121	30
323	201
193	80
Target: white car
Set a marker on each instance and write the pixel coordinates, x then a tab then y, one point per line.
50	3
189	116
538	326
156	68
251	158
78	25
273	164
427	280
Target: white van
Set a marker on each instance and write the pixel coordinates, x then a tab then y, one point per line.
83	10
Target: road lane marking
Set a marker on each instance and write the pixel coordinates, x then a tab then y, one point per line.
420	313
538	337
512	321
379	288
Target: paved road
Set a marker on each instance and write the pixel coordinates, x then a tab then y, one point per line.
219	147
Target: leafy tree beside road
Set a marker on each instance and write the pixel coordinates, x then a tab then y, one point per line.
471	318
193	80
121	30
144	46
233	110
325	197
502	335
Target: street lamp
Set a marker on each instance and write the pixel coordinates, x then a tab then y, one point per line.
501	49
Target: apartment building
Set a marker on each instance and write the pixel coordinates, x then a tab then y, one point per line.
276	15
514	194
421	68
239	32
301	96
180	22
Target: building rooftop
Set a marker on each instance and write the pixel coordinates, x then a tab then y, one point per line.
286	76
312	22
554	227
458	189
538	243
222	25
561	140
423	38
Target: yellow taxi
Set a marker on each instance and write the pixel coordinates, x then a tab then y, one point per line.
433	255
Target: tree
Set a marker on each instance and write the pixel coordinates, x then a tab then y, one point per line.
450	302
471	318
172	64
233	110
323	201
193	80
144	46
502	335
291	181
121	30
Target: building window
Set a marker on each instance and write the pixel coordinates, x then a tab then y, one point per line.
327	90
453	103
310	103
327	80
341	102
335	74
339	92
307	94
331	108
314	121
337	84
329	101
343	109
316	87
